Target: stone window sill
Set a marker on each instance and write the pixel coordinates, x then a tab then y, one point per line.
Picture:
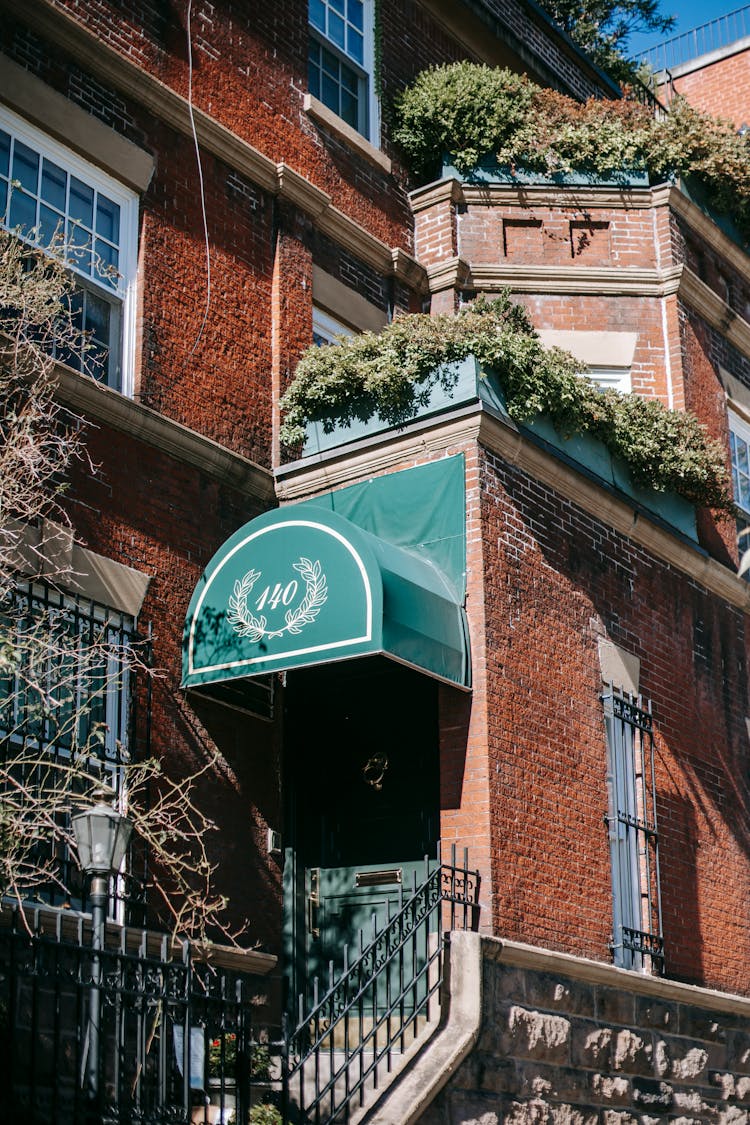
324	116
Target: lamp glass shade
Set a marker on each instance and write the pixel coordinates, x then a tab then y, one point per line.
102	835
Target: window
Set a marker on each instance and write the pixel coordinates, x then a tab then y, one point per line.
633	839
67	698
326	328
611	378
47	192
739	445
341	62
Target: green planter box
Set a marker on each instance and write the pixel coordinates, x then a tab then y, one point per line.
488	171
465	384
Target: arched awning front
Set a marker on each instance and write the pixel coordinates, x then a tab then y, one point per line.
302	586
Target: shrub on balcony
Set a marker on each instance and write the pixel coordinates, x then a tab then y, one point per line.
470	111
392	373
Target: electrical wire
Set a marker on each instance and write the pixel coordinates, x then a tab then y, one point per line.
200	176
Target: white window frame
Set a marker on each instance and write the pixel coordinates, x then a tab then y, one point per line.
122	295
739	430
611	378
370	128
326	328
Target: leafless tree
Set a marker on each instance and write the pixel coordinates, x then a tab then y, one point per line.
60	670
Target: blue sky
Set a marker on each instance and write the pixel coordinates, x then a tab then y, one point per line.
689	13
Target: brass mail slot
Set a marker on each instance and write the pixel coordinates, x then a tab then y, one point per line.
377	878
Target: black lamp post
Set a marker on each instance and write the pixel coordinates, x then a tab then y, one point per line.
102	835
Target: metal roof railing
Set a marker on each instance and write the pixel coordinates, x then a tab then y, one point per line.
711	36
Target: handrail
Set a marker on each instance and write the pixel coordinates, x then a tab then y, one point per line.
701	40
373	1009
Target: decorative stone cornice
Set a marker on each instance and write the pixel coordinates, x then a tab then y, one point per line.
471	424
578	197
100	404
453	273
587	280
442	191
96	56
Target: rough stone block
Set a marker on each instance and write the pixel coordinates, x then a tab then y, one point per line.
652	1095
738	1052
538	1111
697	1023
591	1046
692	1067
658	1014
510	983
547	990
611	1088
615	1005
556	1083
632	1053
473	1109
537	1034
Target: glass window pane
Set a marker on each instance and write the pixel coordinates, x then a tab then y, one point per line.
330	93
107	263
26	166
355	46
336	30
3	199
742	462
349	109
79	247
22	211
337	6
53	185
318	15
744	497
355	14
4	153
50	223
81	202
107	219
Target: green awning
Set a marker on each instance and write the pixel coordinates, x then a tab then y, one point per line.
303	585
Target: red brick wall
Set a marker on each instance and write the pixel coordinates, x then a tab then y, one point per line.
166	519
557	579
721	88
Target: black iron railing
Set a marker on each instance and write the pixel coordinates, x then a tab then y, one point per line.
182	1041
385	996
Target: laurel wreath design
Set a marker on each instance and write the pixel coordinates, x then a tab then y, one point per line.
244	621
239	616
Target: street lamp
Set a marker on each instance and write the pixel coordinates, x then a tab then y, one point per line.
102	835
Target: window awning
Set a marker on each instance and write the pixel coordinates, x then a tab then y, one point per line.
303	585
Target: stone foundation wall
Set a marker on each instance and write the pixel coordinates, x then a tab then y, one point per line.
568	1042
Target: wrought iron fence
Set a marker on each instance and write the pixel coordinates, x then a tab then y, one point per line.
364	1020
182	1041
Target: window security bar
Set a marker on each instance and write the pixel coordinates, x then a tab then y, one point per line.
638	941
69	696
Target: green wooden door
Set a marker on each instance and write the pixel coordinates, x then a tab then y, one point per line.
361	751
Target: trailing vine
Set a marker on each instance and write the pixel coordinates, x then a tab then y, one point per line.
470	111
392	373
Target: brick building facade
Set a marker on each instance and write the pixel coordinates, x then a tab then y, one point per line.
253	216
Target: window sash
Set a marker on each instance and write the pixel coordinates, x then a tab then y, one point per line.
46	188
633	834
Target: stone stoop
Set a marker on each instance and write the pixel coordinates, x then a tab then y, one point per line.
436	1054
374	1086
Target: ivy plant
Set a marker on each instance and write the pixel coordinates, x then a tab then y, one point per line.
470	111
392	373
